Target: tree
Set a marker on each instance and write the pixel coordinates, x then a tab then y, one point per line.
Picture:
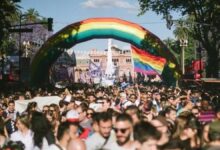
35	38
183	31
31	15
174	47
206	14
8	11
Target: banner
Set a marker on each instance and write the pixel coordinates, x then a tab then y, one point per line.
21	105
94	70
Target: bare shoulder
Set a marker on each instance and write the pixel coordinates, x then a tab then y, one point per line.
76	144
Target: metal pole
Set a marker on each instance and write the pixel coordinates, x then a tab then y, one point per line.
19	53
183	60
200	65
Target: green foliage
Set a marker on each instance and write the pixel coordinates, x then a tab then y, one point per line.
8	12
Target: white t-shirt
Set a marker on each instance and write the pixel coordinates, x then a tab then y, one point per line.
115	146
55	147
27	139
96	141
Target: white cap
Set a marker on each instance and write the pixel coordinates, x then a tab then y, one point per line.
72	116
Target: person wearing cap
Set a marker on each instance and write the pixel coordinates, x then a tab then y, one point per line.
76	131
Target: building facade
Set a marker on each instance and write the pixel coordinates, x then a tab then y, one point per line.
121	59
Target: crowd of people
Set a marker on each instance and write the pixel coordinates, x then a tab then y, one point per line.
135	117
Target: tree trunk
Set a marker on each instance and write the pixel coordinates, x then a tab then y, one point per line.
212	67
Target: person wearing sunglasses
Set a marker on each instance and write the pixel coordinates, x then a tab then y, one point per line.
123	131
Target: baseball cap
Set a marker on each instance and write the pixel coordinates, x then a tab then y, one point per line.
72	116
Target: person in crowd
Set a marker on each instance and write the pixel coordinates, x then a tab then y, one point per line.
147	111
162	126
133	98
191	136
83	120
188	133
10	115
32	106
146	135
173	101
92	100
76	130
104	136
170	114
207	114
134	112
187	106
63	137
106	104
214	136
195	111
123	130
42	133
90	112
23	134
3	135
62	107
124	103
156	100
45	109
76	144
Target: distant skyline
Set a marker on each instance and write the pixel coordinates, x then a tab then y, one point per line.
73	11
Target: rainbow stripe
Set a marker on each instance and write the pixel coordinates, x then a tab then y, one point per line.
95	28
147	63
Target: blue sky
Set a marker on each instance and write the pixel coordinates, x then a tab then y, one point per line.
65	12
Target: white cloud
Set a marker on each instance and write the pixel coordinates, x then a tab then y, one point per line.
109	3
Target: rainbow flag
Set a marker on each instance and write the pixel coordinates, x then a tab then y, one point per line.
147	63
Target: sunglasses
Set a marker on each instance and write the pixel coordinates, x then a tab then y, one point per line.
89	113
122	130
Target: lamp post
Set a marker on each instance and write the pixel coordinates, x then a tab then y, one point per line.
20	44
183	44
27	46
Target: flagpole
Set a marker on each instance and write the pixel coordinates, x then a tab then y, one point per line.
132	61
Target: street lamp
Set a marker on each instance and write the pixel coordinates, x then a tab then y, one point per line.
183	44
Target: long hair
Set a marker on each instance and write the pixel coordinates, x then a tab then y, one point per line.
41	128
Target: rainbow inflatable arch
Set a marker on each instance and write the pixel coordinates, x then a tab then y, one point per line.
95	28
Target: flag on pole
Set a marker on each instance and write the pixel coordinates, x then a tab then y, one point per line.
147	63
94	70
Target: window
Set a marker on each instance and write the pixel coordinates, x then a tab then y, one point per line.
96	60
128	60
115	60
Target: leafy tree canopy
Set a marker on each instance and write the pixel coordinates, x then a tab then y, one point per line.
204	22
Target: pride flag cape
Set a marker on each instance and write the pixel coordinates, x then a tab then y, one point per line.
146	63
